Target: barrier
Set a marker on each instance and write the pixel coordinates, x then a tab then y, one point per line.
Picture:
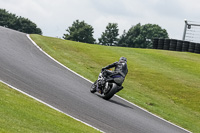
172	45
155	43
185	46
166	44
191	47
160	43
176	45
179	45
197	48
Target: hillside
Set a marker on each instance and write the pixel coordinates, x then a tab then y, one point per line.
20	113
166	83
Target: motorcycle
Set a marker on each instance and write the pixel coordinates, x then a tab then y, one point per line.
107	88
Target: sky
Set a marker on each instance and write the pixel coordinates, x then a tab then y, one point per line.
55	16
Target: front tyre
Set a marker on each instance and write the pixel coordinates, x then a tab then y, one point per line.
93	87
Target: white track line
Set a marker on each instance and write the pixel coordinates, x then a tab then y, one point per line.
90	82
154	114
48	104
115	94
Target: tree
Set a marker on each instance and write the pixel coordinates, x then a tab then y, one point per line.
142	36
151	31
7	19
130	38
81	32
109	37
122	40
25	25
21	24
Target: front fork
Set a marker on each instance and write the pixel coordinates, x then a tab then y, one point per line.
100	86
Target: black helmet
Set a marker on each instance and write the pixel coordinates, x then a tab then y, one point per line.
123	60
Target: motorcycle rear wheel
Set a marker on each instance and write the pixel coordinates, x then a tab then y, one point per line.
109	94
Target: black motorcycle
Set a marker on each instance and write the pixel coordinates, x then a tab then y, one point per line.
107	86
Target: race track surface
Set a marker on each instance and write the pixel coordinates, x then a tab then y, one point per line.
25	67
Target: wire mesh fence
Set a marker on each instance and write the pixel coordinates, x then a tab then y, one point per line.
192	31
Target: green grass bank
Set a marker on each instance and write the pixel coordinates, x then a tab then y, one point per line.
22	114
166	83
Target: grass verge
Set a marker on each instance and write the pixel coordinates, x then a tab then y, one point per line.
166	83
20	113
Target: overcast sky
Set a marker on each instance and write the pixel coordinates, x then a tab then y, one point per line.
55	16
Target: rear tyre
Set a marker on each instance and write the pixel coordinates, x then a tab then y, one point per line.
110	93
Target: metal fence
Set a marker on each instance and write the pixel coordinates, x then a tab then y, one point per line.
191	31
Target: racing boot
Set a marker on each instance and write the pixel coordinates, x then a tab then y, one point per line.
120	88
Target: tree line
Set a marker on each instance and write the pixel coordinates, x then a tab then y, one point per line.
138	36
21	24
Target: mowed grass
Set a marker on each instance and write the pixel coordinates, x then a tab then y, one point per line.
20	113
166	83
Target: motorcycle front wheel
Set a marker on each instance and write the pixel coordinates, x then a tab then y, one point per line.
93	87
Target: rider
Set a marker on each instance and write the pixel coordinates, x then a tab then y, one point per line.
119	74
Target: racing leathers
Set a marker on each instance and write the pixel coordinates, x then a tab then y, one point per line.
119	74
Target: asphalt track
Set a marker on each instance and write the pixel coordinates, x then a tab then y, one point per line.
25	67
